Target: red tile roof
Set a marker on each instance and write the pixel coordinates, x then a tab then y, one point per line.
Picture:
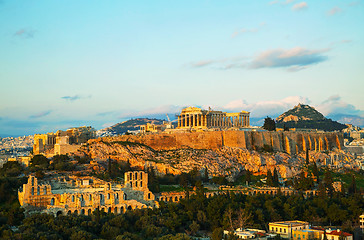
339	233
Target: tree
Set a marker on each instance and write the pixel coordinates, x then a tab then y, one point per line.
248	176
325	236
328	181
307	157
206	175
352	187
315	172
217	234
270	181
269	124
275	178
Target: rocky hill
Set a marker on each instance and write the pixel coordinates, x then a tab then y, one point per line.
306	117
129	125
229	161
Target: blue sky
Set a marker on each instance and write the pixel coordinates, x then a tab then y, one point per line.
70	63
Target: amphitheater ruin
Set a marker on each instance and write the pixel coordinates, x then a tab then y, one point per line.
83	195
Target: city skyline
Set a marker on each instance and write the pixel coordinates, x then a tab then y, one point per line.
75	63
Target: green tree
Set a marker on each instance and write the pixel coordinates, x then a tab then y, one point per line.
206	175
269	124
270	181
217	234
352	187
275	178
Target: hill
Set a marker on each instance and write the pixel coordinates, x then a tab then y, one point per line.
306	117
129	125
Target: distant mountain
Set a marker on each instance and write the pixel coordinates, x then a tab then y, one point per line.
348	119
129	125
307	117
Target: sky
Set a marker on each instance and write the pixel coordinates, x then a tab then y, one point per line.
88	62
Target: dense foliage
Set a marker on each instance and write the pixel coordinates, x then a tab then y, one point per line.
269	124
197	215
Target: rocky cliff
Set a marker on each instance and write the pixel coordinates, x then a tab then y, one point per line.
221	152
289	142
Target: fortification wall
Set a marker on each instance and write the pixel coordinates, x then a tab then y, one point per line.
290	142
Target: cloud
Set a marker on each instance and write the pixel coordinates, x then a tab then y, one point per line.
335	105
202	63
24	33
295	59
355	3
300	6
41	114
244	30
266	108
334	11
75	97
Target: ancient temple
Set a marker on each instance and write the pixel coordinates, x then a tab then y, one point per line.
193	117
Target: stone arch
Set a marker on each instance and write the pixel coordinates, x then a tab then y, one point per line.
32	181
69	212
141	184
32	191
83	211
131	184
125	196
148	195
102	209
109	210
90	197
136	176
75	212
116	195
129	207
141	175
176	199
45	190
115	210
73	198
52	201
89	211
59	213
136	183
38	190
130	176
122	209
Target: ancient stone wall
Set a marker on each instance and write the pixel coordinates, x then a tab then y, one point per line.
290	142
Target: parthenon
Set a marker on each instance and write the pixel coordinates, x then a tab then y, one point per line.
194	117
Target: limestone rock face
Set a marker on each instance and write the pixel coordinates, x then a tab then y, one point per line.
228	161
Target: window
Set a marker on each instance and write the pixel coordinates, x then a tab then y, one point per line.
73	198
294	235
280	229
284	230
90	197
303	236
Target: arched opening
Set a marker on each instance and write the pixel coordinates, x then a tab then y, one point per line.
148	195
32	192
83	211
121	209
141	175
130	176
136	184
73	198
125	196
38	190
52	201
102	209
117	195
69	212
89	212
131	184
108	196
129	208
136	176
75	212
116	210
45	190
59	213
90	197
175	199
141	184
109	210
